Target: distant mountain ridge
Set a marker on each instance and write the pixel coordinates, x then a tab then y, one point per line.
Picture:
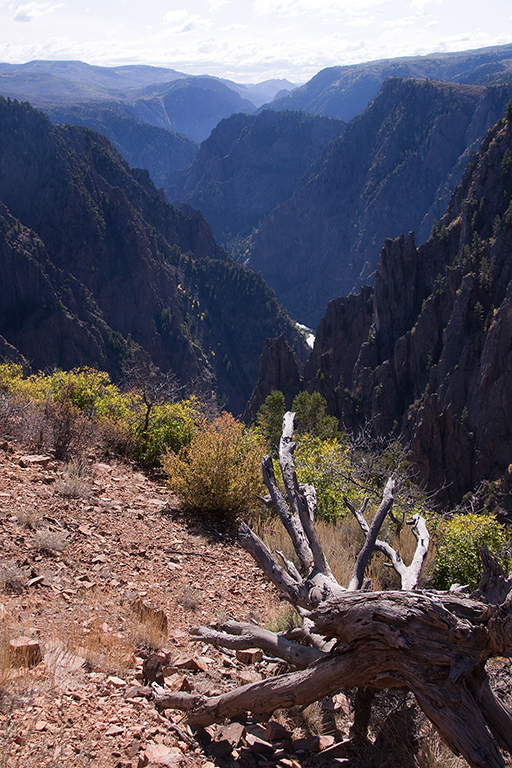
94	263
343	92
158	150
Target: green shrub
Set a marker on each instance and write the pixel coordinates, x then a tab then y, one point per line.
74	408
171	426
457	559
270	419
219	472
324	464
311	417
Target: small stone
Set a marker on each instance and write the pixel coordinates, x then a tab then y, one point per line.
226	739
25	652
162	755
276	732
40	725
117	682
341	702
189	662
249	655
152	670
114	730
247	676
313	743
133	749
34	460
134	691
259	746
233	733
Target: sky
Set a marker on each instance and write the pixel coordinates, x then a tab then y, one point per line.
247	41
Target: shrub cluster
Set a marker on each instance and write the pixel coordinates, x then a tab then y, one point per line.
67	411
219	472
457	558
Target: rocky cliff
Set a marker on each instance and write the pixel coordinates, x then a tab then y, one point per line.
391	171
94	262
427	352
249	165
158	150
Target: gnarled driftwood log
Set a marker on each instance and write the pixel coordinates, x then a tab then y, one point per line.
433	644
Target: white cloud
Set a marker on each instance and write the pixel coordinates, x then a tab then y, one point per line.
216	5
175	17
320	7
420	5
33	10
181	21
406	21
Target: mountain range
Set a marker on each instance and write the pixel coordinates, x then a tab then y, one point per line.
391	171
249	165
345	91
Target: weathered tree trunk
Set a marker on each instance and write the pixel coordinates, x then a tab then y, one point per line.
433	644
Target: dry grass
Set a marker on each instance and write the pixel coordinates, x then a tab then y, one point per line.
189	598
51	542
74	482
341	543
13	579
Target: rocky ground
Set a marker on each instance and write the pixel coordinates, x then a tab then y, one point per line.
90	557
98	570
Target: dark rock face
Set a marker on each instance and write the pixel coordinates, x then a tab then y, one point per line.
251	164
389	173
427	353
278	369
191	105
438	360
93	262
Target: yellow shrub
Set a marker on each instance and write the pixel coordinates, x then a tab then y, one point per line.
219	473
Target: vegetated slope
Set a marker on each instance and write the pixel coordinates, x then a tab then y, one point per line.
192	106
436	361
160	97
67	82
94	262
251	164
158	150
344	92
389	173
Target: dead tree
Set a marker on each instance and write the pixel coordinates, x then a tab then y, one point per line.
435	644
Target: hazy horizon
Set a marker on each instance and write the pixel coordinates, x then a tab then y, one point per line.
260	40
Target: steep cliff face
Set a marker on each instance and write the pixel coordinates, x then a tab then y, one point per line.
94	261
251	164
387	174
436	363
278	370
191	105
